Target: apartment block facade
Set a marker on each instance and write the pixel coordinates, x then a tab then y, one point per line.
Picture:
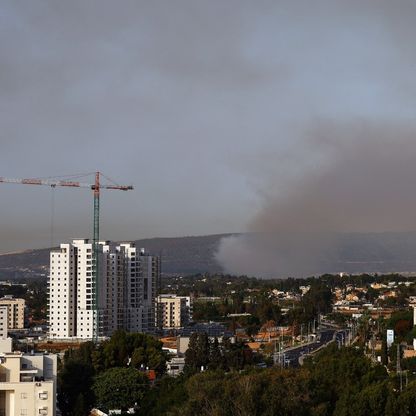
27	384
174	311
15	312
3	321
125	292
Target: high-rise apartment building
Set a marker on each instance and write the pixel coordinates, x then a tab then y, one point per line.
15	311
125	292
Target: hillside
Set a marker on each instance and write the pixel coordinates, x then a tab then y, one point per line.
185	255
351	253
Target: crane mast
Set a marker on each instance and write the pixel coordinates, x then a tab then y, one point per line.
96	187
95	257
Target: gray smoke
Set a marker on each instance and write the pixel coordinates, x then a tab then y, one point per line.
360	178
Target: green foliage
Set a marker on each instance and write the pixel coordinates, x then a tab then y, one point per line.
210	354
143	350
268	392
318	299
197	354
337	317
402	323
411	335
340	375
119	388
261	307
206	311
371	400
409	364
335	382
81	367
74	388
166	397
216	359
406	404
236	355
268	311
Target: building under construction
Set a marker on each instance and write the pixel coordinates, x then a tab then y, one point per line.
123	296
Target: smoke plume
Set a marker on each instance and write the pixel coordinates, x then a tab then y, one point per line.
352	177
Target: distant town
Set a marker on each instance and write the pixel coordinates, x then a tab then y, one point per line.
73	345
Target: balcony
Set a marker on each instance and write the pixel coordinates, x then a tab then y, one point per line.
28	373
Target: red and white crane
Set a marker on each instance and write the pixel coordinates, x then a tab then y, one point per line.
95	187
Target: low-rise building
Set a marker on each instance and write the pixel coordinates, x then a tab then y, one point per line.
3	321
175	366
27	384
173	311
15	312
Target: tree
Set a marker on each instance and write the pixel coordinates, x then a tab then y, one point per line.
340	375
165	397
149	357
401	322
406	401
369	401
268	311
80	366
216	359
120	388
236	355
197	354
317	299
74	392
268	392
143	350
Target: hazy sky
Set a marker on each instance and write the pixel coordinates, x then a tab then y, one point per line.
216	111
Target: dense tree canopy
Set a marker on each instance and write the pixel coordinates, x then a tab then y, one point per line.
333	383
82	376
119	388
204	353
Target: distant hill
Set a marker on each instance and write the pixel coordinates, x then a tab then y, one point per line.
185	255
352	253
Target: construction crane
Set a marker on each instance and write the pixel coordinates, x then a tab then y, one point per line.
96	188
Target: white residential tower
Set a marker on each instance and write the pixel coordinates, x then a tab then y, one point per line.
125	291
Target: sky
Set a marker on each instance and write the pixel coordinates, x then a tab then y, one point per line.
226	116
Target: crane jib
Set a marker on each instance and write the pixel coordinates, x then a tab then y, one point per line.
72	184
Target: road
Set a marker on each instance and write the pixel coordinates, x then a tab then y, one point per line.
292	356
